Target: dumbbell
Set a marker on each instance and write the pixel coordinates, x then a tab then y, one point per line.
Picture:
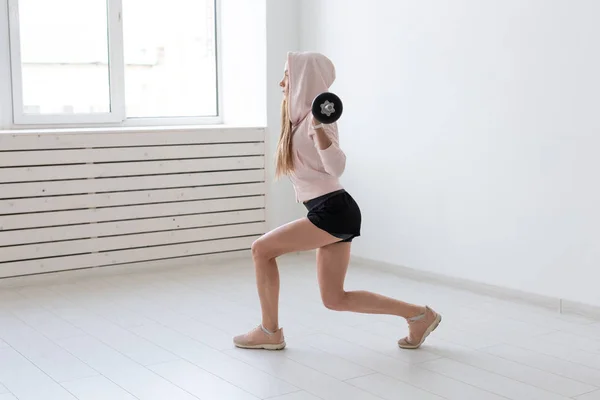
327	108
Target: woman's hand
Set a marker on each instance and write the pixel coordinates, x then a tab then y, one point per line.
321	139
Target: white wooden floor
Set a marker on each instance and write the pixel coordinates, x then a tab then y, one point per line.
166	335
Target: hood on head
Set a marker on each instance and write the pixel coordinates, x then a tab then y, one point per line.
309	74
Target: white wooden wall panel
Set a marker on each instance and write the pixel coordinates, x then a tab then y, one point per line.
71	200
23	140
125	256
105	170
116	228
18	206
90	245
91	215
122	154
52	188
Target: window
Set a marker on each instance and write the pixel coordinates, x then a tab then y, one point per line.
113	61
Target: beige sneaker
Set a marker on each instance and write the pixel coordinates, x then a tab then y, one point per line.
258	338
419	328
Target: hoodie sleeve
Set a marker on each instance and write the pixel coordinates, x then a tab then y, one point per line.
333	158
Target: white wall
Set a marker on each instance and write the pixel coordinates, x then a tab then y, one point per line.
243	56
472	134
5	86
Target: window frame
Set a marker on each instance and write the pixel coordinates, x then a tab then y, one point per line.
116	117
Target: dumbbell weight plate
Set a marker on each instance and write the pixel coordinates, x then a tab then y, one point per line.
327	108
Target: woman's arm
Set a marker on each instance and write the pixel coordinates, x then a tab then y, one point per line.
326	142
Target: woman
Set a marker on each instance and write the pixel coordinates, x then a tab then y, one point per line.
309	154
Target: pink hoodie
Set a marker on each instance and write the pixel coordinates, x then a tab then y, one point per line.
316	172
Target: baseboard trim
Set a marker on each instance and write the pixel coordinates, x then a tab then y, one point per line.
574	307
559	305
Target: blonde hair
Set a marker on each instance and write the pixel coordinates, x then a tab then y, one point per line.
284	158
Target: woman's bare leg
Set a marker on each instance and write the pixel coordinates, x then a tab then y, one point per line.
332	265
299	235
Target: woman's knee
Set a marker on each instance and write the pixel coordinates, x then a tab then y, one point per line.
335	301
261	249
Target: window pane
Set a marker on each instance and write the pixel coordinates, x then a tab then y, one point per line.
170	64
64	56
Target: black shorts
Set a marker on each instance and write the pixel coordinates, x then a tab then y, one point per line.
336	213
